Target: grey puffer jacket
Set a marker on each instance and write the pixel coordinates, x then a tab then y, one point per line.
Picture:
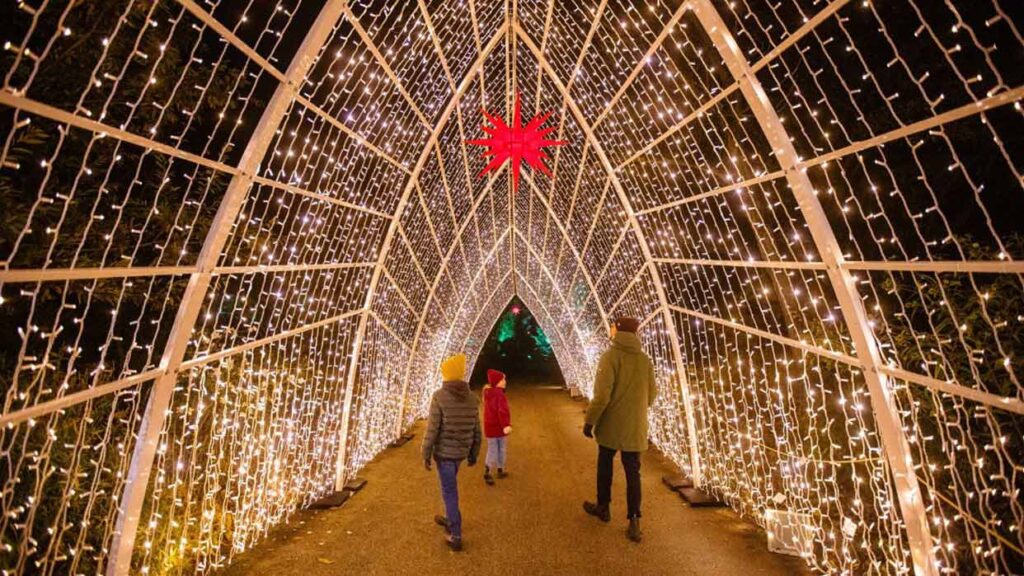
453	428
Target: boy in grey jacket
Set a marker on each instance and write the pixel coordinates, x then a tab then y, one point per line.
452	435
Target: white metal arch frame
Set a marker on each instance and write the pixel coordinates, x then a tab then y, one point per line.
865	357
479	314
409	187
172	361
567	102
444	265
453	104
595	144
571	104
130	506
894	440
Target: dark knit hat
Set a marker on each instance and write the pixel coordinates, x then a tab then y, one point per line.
627	324
494	377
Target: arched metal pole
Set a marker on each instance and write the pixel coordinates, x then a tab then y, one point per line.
894	441
476	318
532	251
595	144
472	285
463	86
577	254
385	249
137	483
433	290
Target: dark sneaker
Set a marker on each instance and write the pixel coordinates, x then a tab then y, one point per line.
454	543
502	473
443	522
634	533
489	479
601	512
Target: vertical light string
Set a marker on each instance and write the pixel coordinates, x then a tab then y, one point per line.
241	237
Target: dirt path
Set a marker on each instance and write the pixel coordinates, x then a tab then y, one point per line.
530	523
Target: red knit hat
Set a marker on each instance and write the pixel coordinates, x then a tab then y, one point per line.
494	377
624	324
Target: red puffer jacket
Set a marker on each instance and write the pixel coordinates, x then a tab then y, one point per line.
496	413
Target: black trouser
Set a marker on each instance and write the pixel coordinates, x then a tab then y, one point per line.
631	464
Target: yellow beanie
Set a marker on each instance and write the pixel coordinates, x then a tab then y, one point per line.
454	368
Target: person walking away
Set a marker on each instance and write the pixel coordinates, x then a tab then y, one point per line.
624	390
452	435
497	424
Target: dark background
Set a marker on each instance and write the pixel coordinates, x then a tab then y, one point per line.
518	347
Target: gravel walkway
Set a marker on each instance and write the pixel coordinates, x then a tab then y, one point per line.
530	523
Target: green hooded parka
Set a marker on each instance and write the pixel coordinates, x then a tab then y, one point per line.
624	389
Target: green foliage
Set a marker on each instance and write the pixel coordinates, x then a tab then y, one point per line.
72	459
517	346
541	343
506	327
950	322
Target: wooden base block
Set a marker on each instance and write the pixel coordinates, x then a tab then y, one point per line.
331	500
401	441
675	482
355	484
699	499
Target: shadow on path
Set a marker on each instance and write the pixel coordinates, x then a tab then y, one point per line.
529	523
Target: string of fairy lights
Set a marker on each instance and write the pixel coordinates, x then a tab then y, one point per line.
364	249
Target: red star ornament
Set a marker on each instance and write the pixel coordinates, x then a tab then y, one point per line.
516	143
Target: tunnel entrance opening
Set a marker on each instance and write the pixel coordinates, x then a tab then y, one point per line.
518	346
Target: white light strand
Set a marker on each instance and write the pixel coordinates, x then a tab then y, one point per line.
126	122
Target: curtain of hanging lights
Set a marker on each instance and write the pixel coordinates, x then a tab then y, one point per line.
238	238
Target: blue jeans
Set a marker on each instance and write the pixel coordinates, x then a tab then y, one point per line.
496	452
447	471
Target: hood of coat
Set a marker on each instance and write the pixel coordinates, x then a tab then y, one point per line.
456	388
627	342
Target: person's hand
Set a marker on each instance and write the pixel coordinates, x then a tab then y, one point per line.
508	430
426	464
588	430
471	461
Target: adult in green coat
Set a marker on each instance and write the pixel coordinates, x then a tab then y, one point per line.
624	390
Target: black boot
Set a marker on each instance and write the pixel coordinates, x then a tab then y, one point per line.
597	510
502	473
634	533
443	522
487	476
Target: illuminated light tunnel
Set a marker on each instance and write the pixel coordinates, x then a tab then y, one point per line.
239	237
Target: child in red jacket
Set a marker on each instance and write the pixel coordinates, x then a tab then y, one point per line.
497	424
